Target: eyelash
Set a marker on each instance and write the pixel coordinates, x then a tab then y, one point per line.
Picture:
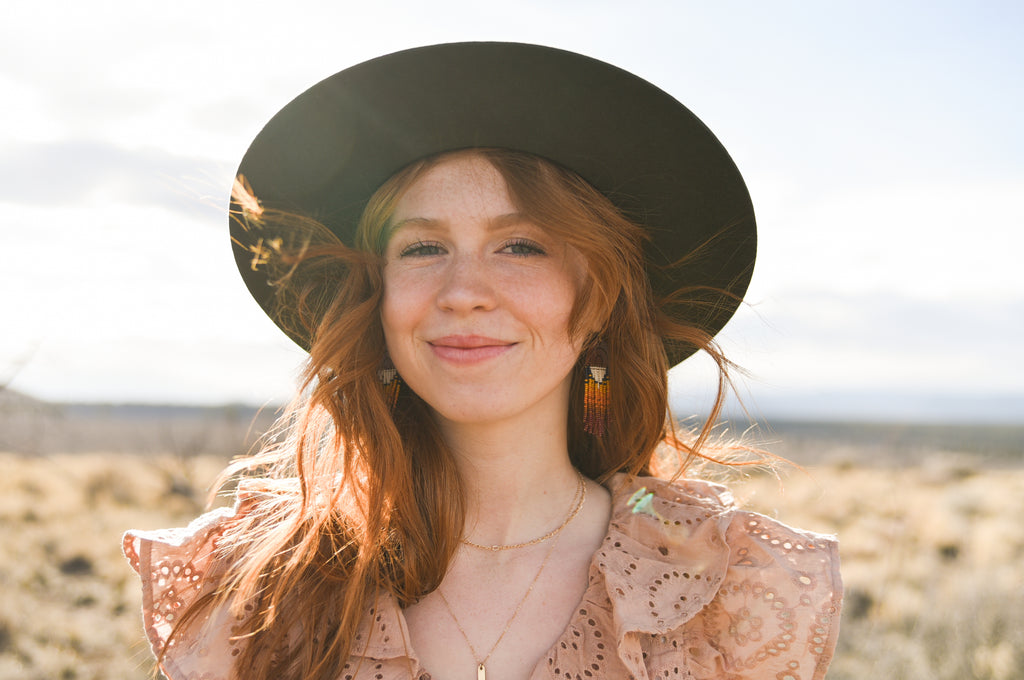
416	249
527	244
419	248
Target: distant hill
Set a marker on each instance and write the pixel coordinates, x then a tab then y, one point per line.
874	406
30	426
33	427
904	407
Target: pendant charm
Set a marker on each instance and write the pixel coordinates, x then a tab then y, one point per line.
481	672
641	502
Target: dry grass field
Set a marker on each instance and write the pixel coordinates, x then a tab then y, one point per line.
930	523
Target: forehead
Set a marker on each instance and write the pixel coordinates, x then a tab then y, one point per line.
461	185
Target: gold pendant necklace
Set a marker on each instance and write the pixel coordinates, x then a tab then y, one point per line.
481	665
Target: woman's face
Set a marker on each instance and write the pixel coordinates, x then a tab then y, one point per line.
477	299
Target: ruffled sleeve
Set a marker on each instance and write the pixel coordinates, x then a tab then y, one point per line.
178	566
702	590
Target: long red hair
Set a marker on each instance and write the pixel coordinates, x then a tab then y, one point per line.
370	496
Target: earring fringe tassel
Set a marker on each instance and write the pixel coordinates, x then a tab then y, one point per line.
595	392
389	380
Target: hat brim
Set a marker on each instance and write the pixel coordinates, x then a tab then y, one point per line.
325	153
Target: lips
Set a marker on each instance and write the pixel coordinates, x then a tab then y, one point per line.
468	349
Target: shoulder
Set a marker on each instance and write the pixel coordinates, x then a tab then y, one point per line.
178	567
746	593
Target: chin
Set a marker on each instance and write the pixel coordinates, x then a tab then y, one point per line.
474	415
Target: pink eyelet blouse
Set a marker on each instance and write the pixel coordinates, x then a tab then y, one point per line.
684	586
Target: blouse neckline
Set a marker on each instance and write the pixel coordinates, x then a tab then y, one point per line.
680	570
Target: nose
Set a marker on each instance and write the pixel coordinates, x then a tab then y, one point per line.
466	286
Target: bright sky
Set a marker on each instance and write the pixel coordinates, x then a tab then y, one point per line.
881	142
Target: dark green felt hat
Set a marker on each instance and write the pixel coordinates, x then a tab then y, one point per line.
326	152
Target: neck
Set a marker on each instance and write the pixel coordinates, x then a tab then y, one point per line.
518	480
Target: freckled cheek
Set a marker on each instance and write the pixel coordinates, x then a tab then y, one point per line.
396	312
406	306
396	316
549	307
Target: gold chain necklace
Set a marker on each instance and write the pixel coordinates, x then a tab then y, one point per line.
578	499
481	664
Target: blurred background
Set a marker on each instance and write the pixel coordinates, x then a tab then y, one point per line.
881	143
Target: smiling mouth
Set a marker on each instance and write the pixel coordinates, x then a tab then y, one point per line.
465	349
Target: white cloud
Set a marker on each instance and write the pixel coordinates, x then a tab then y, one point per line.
90	172
936	241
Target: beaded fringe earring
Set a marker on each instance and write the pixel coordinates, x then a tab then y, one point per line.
595	391
387	374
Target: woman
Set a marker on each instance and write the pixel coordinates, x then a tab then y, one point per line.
463	489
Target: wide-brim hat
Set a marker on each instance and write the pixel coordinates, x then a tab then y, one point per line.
325	154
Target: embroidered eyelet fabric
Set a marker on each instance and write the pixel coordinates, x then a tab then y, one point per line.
686	587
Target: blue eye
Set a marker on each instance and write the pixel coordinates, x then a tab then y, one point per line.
523	247
421	249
